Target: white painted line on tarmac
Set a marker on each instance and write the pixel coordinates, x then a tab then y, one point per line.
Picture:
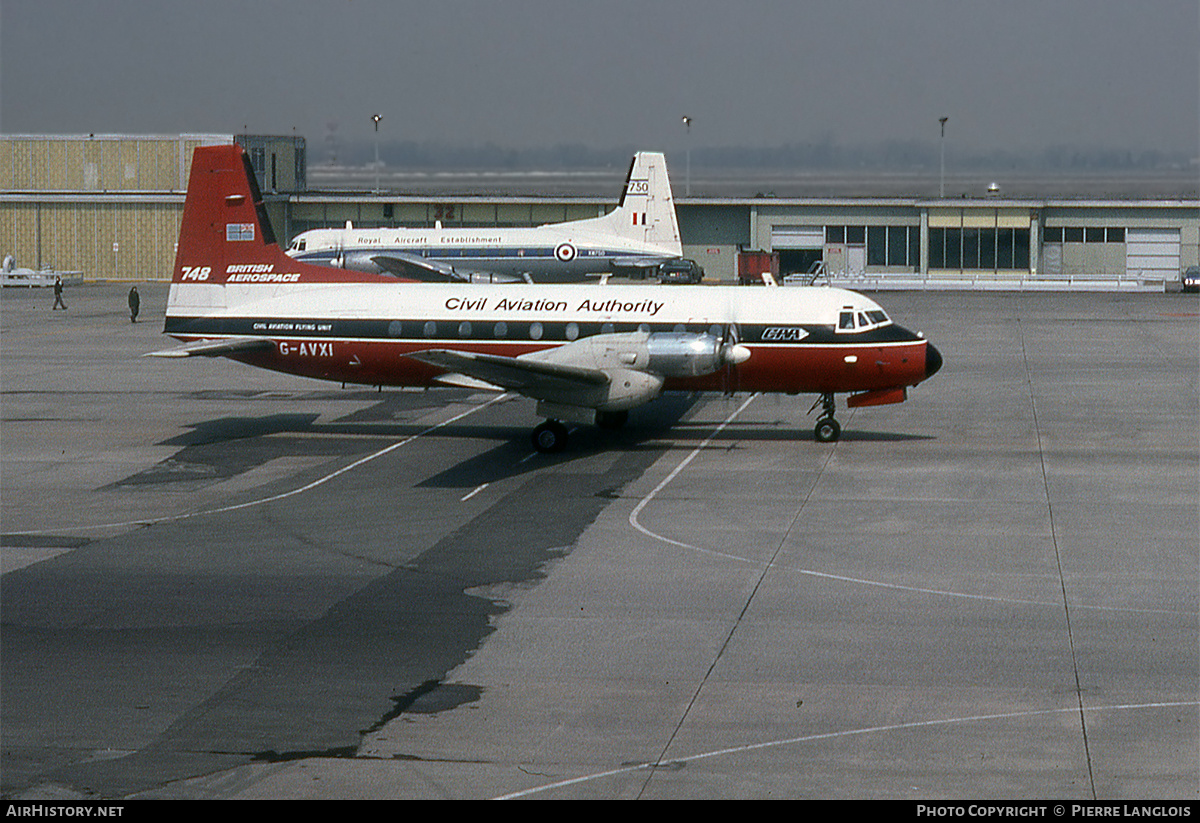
789	741
472	493
635	523
283	495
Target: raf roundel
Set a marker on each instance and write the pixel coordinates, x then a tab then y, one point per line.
565	252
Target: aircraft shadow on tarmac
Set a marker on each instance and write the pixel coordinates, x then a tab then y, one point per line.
221	448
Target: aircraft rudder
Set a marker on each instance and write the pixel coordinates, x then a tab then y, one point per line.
647	208
224	220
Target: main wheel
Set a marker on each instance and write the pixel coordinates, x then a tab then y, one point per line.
550	437
827	430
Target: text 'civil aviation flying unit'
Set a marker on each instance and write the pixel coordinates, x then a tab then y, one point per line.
585	353
640	234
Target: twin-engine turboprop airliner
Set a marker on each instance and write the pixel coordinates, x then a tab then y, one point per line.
585	353
641	233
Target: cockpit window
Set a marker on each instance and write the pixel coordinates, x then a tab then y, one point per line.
850	319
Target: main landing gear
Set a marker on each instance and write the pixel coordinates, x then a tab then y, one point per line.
551	436
827	429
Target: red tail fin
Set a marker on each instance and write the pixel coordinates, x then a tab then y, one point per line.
226	235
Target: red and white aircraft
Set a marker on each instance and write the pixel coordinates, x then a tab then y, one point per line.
586	353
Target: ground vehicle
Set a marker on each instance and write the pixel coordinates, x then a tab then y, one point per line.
1190	278
680	271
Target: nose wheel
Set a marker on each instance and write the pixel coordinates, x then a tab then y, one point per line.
827	429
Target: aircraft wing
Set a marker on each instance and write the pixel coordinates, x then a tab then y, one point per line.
640	262
538	379
430	271
214	348
416	267
533	378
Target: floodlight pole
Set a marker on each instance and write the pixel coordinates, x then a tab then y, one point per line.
687	122
942	184
376	118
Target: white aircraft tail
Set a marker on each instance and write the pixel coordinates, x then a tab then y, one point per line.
646	213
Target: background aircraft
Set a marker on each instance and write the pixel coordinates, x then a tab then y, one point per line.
586	354
637	236
13	275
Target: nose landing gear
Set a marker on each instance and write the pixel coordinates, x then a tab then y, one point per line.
827	429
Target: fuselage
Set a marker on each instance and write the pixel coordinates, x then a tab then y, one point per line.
800	339
556	253
639	233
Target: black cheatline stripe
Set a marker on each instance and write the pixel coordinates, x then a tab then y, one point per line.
448	330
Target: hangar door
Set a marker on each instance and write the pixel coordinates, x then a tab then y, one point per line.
799	247
1152	253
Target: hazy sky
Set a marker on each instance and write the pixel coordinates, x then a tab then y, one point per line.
1010	74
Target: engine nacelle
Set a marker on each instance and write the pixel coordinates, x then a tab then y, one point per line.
668	354
683	354
637	364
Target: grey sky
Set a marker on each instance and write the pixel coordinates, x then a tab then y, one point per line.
1017	74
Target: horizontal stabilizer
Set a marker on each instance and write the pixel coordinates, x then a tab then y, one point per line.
214	348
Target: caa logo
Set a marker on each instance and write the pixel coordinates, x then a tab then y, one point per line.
783	333
196	272
565	252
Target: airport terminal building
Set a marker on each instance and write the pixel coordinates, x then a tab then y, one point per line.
109	206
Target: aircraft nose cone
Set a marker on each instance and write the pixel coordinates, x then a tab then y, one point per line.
933	360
